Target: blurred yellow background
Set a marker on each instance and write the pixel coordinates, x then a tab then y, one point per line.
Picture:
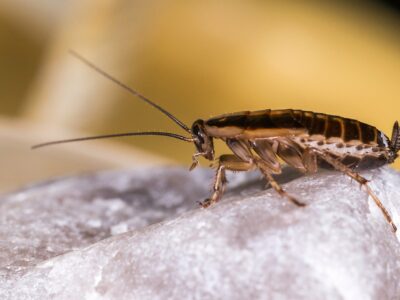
195	58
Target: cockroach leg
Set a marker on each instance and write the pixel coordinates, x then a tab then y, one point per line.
361	180
310	161
195	161
225	162
264	149
281	191
218	187
276	186
291	153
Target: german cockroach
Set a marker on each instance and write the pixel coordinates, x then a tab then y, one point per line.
258	139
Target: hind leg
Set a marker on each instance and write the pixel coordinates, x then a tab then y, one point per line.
364	182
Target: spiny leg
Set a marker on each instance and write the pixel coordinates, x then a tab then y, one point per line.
218	187
276	186
225	162
364	182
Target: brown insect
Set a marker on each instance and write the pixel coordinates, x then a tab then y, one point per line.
302	139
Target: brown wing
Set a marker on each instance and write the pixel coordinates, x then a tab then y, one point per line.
255	125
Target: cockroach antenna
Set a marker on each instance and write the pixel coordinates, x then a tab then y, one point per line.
107	136
133	92
130	90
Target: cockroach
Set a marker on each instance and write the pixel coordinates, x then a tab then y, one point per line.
261	139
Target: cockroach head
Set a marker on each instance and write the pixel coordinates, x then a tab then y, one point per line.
203	142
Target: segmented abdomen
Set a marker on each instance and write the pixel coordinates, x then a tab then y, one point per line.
328	126
334	126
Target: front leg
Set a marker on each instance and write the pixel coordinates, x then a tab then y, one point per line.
225	162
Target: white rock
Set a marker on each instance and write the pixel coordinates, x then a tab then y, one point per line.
56	238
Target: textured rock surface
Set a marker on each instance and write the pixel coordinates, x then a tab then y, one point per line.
141	235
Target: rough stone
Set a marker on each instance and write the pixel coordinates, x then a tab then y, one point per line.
141	235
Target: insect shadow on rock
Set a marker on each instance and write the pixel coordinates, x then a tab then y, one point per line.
257	139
